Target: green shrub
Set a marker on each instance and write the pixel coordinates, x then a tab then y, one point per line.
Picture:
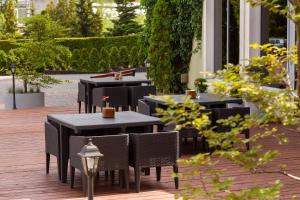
4	62
104	57
133	57
114	57
84	65
7	45
84	53
93	60
124	57
76	60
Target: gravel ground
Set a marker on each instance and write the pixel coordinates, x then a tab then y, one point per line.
58	95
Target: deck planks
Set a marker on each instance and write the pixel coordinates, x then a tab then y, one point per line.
22	165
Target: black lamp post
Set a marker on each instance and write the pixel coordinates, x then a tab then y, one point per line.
90	158
13	71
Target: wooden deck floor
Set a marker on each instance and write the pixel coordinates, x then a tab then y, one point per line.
22	165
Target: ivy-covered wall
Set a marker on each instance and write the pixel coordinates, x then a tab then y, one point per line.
186	25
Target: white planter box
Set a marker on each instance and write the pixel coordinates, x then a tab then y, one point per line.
25	100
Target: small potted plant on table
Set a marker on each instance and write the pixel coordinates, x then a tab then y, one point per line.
107	112
201	85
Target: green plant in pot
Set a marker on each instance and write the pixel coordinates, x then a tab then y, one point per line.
34	58
201	85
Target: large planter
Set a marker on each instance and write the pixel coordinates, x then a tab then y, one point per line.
25	100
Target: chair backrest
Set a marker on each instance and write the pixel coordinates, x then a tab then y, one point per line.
113	147
153	149
81	92
143	108
51	139
118	96
224	113
138	92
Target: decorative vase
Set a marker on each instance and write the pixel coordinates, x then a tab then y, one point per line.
108	112
191	93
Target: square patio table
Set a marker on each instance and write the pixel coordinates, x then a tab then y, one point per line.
76	124
109	82
206	99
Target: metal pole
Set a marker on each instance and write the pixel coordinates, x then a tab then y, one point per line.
14	92
90	187
228	32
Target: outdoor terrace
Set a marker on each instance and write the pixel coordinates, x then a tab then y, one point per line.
22	167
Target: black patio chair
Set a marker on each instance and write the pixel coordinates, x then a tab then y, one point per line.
81	97
190	132
138	92
115	151
224	113
51	145
146	108
148	150
118	97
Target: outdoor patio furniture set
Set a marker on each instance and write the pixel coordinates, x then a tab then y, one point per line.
129	138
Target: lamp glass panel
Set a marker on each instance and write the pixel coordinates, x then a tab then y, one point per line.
90	163
96	165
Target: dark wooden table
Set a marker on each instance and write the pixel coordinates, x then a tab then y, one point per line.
72	124
206	99
109	82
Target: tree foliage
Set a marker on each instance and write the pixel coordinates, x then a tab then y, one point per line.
279	109
86	18
185	19
42	27
292	13
125	24
10	24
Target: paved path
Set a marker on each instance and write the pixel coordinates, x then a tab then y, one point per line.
58	95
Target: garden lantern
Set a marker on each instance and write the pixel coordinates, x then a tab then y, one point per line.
90	157
13	71
147	63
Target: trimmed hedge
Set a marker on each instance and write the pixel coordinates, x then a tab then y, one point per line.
93	54
99	42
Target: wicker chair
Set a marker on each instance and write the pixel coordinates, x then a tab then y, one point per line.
114	158
146	108
138	92
118	97
224	113
153	150
51	145
81	97
188	132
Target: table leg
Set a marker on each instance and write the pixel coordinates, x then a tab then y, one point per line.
64	152
89	97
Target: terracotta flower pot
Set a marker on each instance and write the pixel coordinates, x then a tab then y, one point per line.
191	93
108	112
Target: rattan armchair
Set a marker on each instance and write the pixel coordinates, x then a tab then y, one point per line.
190	132
118	97
148	150
51	145
224	113
115	151
138	92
